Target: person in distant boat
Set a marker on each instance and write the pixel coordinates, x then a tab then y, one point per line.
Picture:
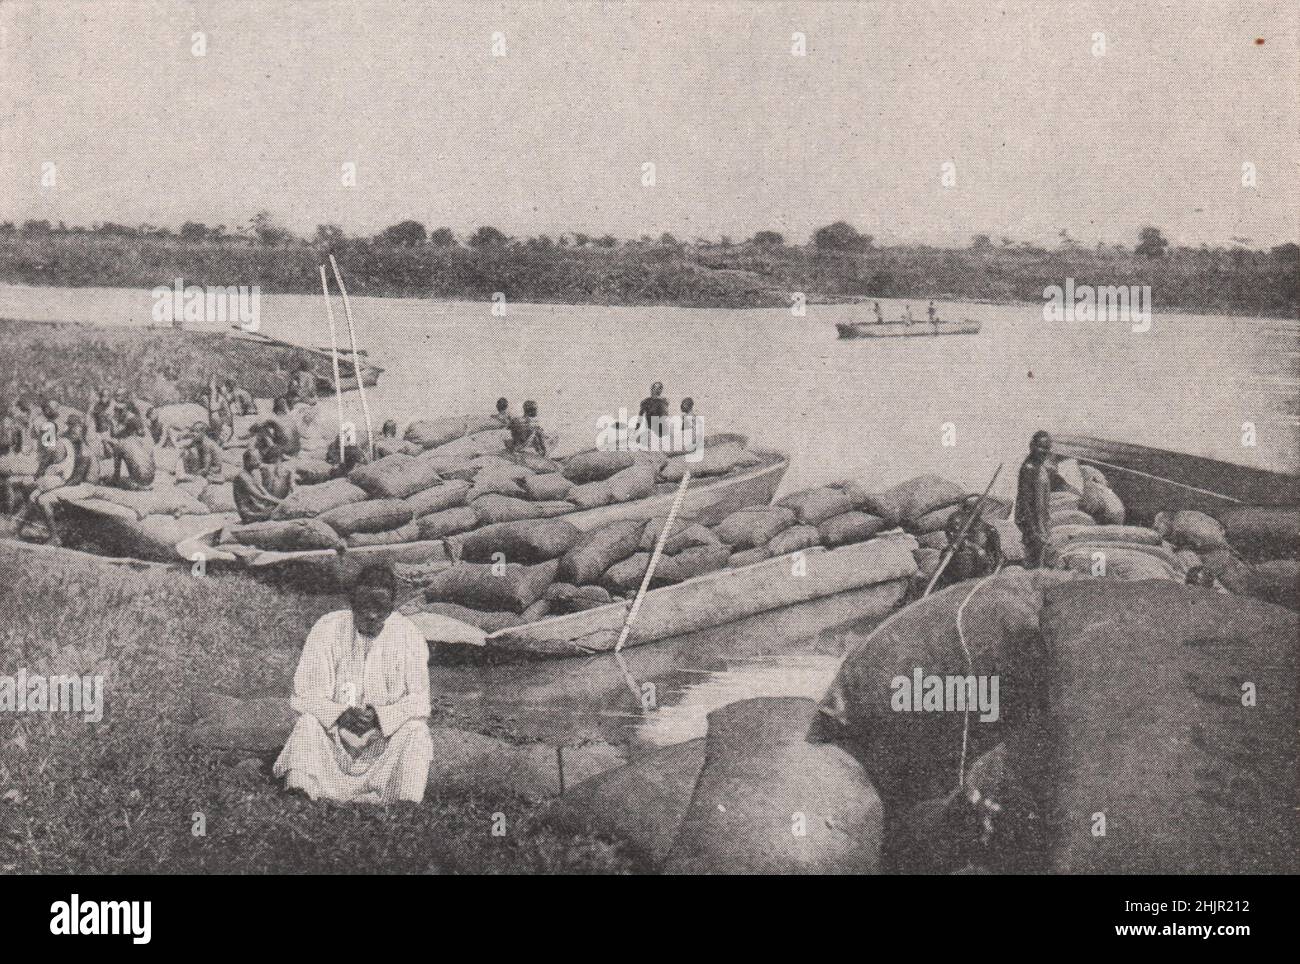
932	313
277	478
201	457
503	412
240	400
134	450
70	475
976	553
253	502
362	694
907	315
388	443
526	431
1034	498
880	315
653	413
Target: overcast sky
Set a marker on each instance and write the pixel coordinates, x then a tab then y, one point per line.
552	137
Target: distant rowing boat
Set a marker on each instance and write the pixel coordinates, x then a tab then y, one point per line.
903	329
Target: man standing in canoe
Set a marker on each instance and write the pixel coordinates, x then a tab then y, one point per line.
653	413
1034	499
362	692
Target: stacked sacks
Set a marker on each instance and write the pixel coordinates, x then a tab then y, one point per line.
396	476
510	588
528	542
717	460
907	502
1098	500
434	432
1113	552
1151	724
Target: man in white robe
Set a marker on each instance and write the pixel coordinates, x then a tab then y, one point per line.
362	692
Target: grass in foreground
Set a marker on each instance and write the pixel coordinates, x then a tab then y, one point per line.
122	795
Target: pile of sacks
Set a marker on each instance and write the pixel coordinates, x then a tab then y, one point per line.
451	477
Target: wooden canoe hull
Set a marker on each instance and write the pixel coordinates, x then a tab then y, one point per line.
878	573
1150	480
898	329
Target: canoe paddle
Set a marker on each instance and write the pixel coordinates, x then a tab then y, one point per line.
970	520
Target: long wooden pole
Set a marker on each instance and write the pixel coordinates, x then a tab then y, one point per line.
654	561
356	359
970	520
334	355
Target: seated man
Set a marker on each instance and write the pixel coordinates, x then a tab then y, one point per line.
980	549
526	431
362	692
240	401
388	443
134	450
503	412
280	429
201	457
70	474
252	500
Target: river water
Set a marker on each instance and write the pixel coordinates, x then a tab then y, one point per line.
880	410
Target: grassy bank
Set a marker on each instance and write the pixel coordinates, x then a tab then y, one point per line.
71	362
119	796
1218	281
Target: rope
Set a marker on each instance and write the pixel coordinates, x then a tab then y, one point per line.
970	667
356	359
654	561
334	354
1158	478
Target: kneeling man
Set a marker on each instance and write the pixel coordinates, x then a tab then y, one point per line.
362	689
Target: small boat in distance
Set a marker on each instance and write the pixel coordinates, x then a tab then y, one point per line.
905	329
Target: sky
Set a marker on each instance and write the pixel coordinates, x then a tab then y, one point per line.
1041	134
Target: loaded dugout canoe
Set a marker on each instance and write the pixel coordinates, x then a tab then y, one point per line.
708	501
902	329
852	582
1151	480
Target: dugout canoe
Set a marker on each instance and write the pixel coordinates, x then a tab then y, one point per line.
708	501
855	581
902	329
1151	480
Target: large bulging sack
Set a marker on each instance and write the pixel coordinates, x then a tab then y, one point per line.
291	535
493	509
754	527
694	561
1190	529
1151	728
911	499
841	530
438	498
395	477
592	495
1115	560
769	802
932	521
547	487
527	542
219	498
378	515
1067	476
1263	532
1070	517
812	507
1101	503
439	525
911	752
599	549
390	537
565	598
717	460
684	535
433	432
595	466
639	805
479	443
313	500
309	471
1137	535
794	539
631	484
511	588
